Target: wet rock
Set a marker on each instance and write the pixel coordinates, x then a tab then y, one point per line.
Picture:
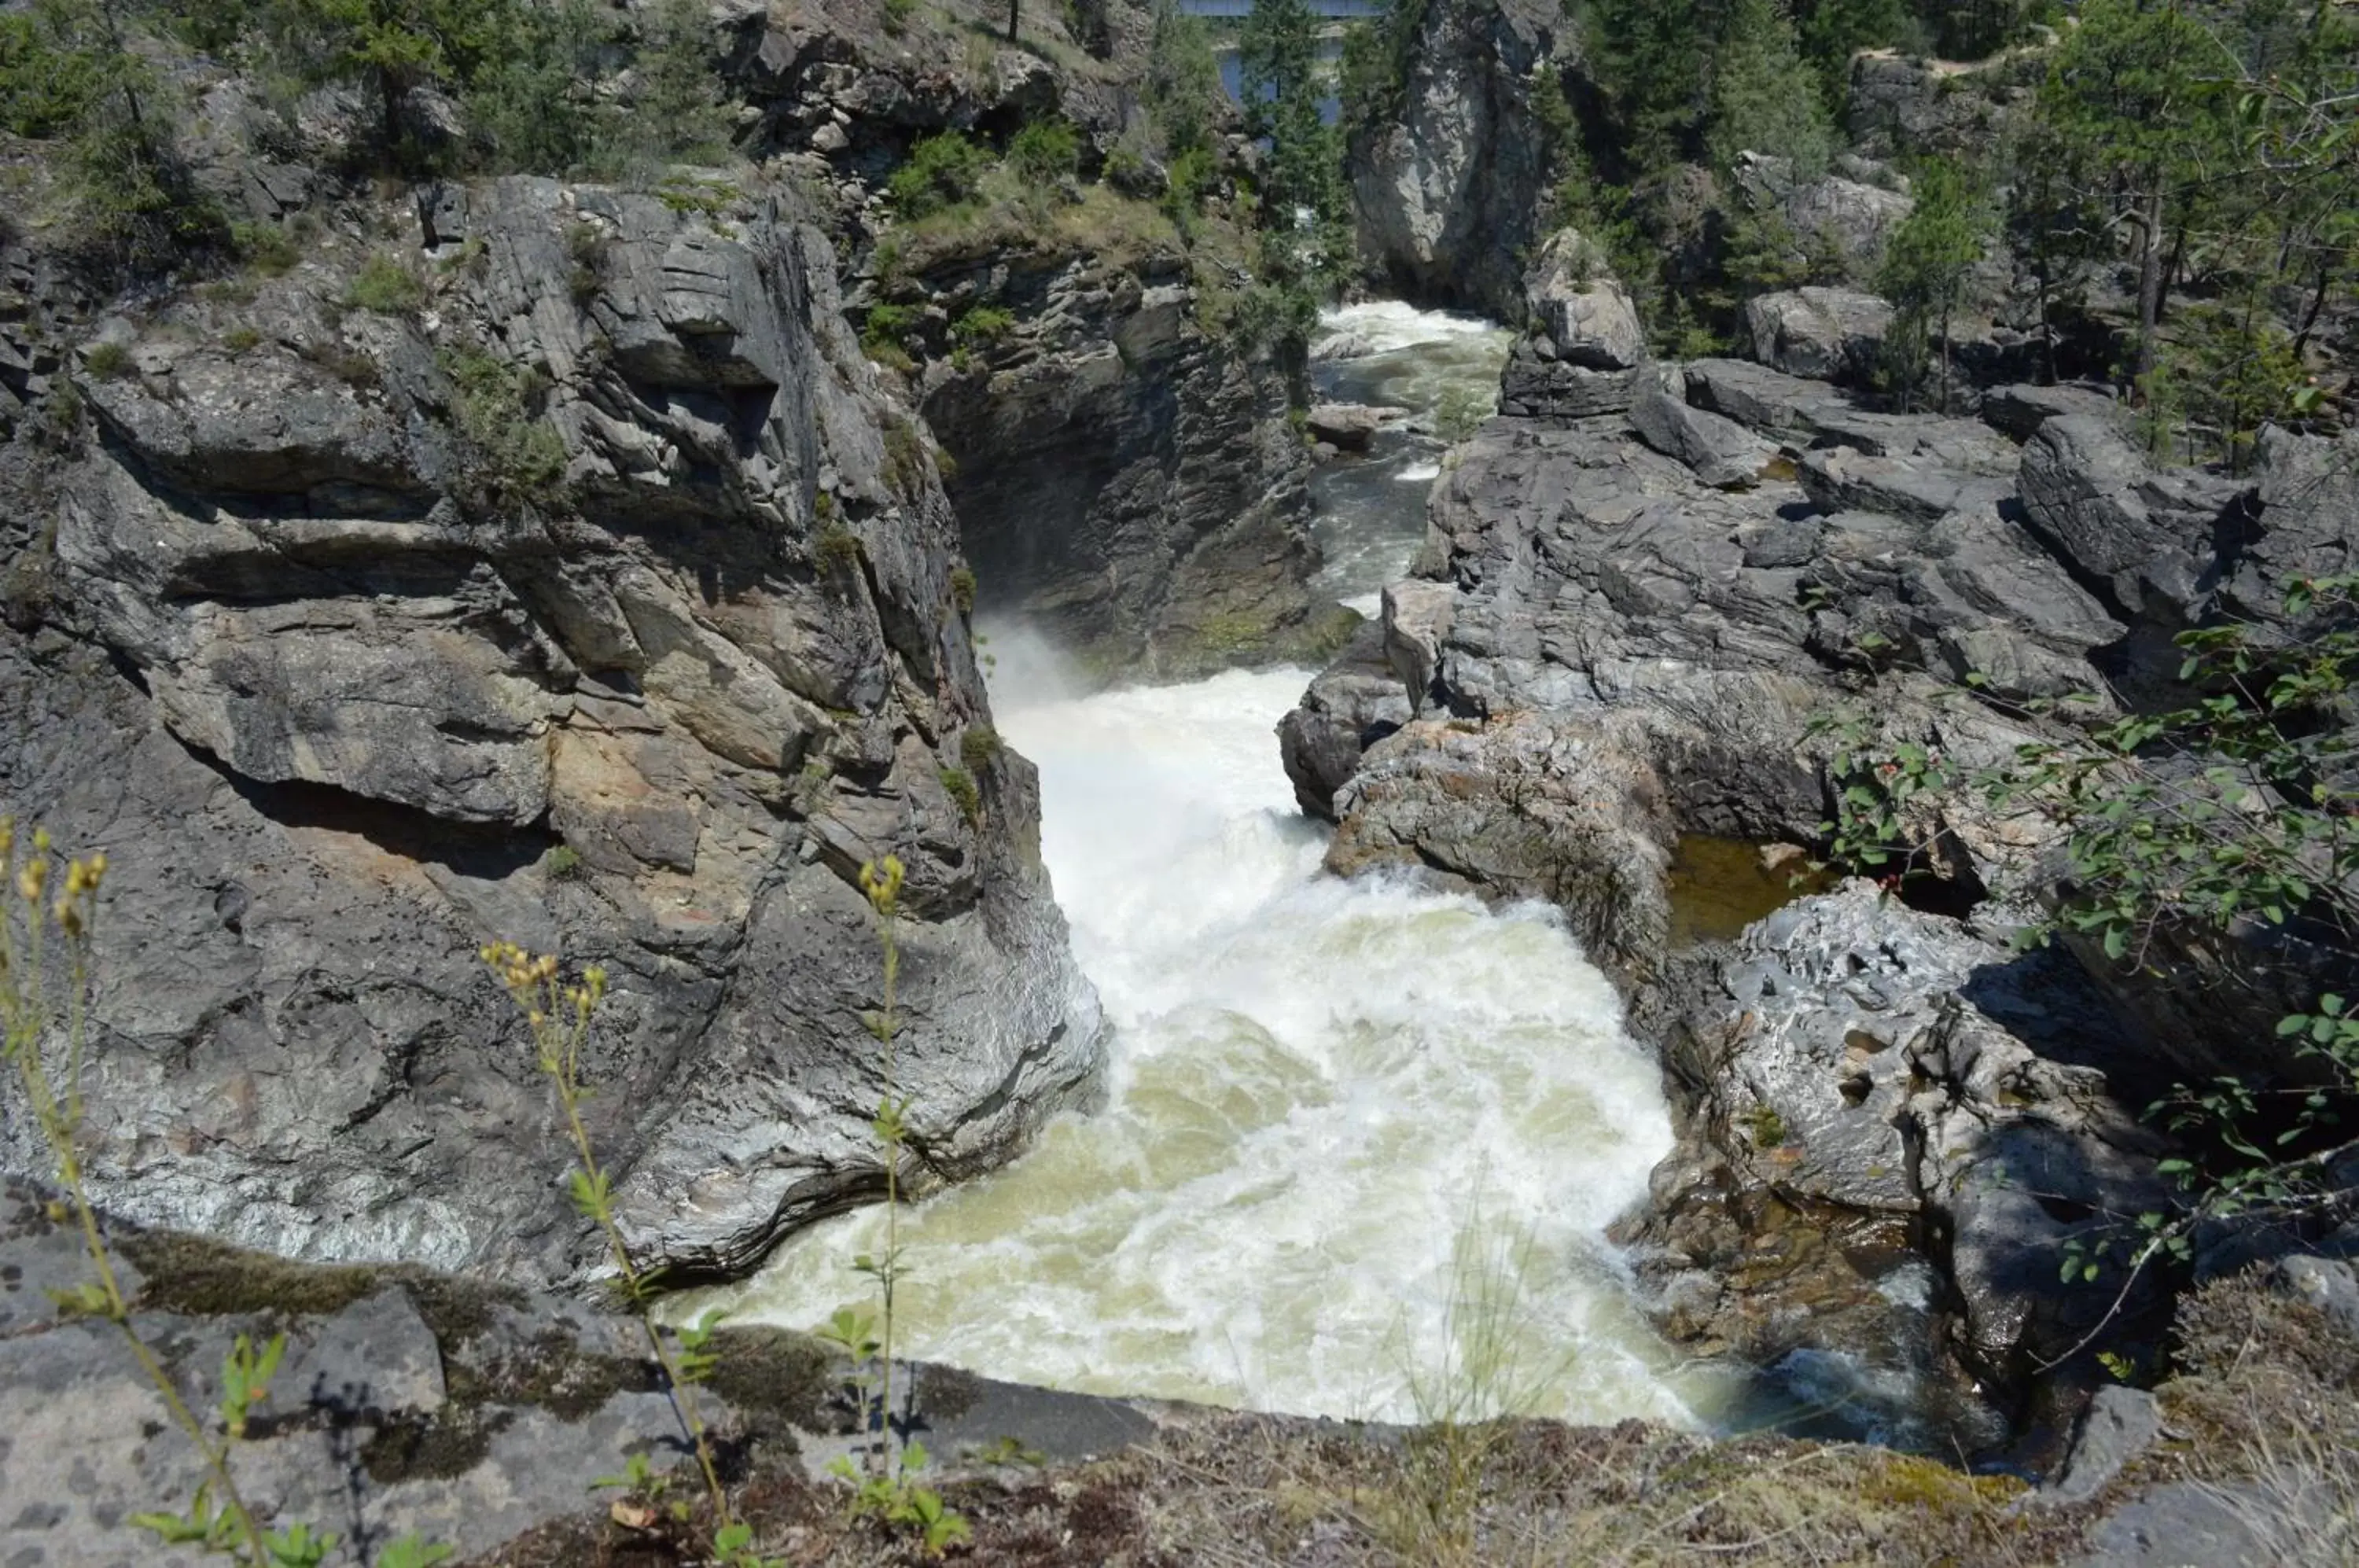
2119	1424
1852	1053
1350	427
1353	704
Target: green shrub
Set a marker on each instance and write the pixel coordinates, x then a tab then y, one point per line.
960	786
942	171
563	864
979	747
1044	151
963	587
44	90
239	340
897	14
1191	176
268	248
107	360
492	407
984	324
836	548
387	286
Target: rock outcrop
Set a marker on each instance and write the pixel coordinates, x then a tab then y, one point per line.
1679	617
1582	348
1123	479
601	600
1446	192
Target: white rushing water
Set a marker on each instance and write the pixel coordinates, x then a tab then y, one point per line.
1341	1114
1329	1101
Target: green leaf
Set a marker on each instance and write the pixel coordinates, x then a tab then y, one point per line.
413	1552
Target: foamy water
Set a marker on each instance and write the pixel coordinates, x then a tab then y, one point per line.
1372	510
1324	1096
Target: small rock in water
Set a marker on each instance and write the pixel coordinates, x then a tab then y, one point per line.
1350	427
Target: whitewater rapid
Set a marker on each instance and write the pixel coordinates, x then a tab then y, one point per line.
1329	1101
1348	1123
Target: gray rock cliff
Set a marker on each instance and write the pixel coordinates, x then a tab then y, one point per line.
604	603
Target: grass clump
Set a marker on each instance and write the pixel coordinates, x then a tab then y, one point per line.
240	340
884	335
387	286
107	361
836	548
492	406
267	248
960	786
563	864
980	748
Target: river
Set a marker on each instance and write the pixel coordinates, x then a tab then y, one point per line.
1354	1129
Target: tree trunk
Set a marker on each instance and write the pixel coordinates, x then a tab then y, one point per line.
2149	276
2046	322
1014	10
1945	358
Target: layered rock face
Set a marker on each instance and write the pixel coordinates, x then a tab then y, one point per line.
604	603
1447	194
1123	478
1676	618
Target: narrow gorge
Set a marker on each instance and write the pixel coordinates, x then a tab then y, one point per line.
1310	783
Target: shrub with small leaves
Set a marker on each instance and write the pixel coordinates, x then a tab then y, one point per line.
106	360
963	587
944	171
959	785
386	286
1044	151
980	748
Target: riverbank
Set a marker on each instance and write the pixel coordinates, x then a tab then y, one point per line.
478	1414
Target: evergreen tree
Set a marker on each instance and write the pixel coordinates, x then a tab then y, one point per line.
2127	101
1183	78
1763	97
1927	264
1651	61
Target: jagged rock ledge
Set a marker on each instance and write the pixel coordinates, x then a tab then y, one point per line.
590	593
1656	601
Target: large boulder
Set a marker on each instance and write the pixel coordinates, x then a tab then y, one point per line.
1855	1057
1826	334
1582	346
2152	538
1720	452
609	607
1124	479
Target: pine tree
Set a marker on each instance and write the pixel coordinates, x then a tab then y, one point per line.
1928	263
1763	98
